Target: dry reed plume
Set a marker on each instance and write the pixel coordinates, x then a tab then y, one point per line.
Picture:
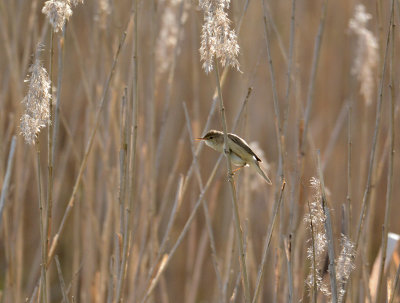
112	200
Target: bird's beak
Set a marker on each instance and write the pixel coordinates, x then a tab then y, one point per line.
199	139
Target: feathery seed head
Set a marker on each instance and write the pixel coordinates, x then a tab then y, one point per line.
76	2
344	265
366	52
103	11
168	37
58	12
30	128
317	250
36	103
217	38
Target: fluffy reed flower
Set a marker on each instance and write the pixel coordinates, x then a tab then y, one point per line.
168	37
36	103
59	11
316	218
344	265
366	52
217	38
103	12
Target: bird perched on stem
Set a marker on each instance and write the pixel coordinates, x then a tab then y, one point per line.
241	153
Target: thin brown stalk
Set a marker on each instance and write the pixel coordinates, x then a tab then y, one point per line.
277	120
314	69
50	180
235	289
267	242
173	171
367	191
386	223
123	155
43	284
289	72
288	254
172	216
60	69
132	160
192	288
229	260
29	36
349	179
170	82
61	278
239	234
205	208
314	265
7	177
334	136
329	233
88	148
150	286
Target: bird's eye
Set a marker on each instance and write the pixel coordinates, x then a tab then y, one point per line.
211	137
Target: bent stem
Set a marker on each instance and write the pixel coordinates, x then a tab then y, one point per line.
239	233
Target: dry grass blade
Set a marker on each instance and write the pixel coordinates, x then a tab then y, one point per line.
267	242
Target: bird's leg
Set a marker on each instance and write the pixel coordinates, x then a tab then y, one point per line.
237	169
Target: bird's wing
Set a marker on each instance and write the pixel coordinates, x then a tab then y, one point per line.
239	141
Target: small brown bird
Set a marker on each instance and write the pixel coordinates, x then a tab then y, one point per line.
241	153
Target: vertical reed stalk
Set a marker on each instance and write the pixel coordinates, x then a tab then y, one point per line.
314	265
49	204
267	242
349	179
61	43
43	282
88	148
329	234
367	191
288	254
235	208
277	120
314	69
386	223
132	164
7	177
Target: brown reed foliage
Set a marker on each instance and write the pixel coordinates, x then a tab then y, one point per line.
137	211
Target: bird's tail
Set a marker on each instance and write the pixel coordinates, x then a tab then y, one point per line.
260	171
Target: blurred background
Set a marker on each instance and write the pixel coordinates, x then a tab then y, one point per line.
160	182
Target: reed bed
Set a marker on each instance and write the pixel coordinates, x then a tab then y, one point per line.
107	197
